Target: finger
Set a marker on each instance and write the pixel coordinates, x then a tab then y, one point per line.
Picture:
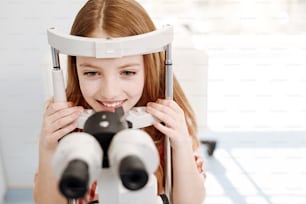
167	118
65	130
52	140
162	108
54	107
164	129
170	104
168	107
200	166
199	162
50	120
163	105
64	121
65	112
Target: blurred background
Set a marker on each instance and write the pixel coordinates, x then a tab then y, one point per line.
241	63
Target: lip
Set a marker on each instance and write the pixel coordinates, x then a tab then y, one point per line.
110	105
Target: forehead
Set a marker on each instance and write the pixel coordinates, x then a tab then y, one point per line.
135	59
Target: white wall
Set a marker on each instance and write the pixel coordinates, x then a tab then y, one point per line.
256	83
2	181
25	56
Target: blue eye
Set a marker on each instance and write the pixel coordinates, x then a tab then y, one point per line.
128	73
90	73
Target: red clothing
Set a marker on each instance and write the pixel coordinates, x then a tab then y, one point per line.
91	196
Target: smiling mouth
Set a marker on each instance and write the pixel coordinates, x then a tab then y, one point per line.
111	105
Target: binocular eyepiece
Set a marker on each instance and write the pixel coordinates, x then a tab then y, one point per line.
105	145
75	179
133	173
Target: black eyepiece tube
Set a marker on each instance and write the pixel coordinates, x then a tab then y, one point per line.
133	173
74	181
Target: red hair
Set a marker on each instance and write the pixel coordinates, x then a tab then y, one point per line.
122	18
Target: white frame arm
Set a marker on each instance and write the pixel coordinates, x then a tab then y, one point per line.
146	43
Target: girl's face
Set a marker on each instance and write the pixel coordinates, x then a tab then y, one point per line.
107	84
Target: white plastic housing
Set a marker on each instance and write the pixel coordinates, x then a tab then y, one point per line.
151	42
133	142
78	145
58	85
139	117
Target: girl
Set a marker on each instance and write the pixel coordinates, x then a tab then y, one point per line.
105	84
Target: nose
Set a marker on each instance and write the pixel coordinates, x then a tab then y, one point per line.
109	88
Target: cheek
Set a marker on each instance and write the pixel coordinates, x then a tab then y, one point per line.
138	87
88	89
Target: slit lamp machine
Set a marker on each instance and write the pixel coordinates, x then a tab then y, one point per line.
111	150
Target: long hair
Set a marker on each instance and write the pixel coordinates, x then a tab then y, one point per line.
122	18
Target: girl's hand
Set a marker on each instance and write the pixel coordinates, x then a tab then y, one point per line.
173	122
59	119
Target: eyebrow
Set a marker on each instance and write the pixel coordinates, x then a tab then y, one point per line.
120	67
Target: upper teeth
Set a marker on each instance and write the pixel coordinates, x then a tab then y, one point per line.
112	105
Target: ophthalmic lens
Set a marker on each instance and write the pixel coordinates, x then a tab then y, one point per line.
133	173
74	180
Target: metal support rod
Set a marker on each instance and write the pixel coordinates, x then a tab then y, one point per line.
72	201
169	95
169	73
55	58
59	91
